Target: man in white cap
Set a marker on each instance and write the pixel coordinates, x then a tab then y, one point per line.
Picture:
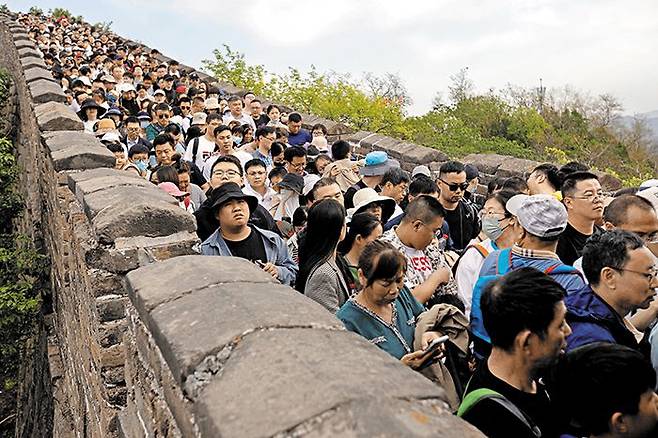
541	219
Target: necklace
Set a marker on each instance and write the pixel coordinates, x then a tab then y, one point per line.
392	325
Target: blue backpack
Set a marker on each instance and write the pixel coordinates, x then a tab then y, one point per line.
503	266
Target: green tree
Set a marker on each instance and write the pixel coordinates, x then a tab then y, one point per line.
35	11
230	66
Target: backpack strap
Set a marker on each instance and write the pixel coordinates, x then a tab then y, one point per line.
504	262
479	248
474	397
195	149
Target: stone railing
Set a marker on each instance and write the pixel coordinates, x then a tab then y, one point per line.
150	340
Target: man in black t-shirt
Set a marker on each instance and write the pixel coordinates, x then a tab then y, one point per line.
461	215
235	237
584	202
524	314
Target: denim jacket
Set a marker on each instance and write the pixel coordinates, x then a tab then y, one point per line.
276	252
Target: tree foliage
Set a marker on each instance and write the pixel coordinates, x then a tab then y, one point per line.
373	103
560	124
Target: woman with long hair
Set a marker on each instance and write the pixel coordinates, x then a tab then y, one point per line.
363	229
319	275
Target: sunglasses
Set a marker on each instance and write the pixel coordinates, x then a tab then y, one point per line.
454	186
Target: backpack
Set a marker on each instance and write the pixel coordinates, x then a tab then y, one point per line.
474	397
195	149
503	266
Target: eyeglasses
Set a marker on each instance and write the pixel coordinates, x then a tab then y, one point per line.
229	173
454	186
591	197
185	107
297	166
495	214
650	276
163	116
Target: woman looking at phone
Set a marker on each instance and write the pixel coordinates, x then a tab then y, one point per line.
384	311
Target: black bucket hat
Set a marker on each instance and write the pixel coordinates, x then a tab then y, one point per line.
228	191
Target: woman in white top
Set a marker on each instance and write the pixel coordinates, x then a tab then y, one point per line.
497	226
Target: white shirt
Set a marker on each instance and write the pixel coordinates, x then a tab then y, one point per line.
266	201
207	165
468	272
205	150
243	119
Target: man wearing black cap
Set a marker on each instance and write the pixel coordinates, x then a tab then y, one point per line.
235	237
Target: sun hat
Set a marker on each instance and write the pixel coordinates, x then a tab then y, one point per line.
377	163
367	196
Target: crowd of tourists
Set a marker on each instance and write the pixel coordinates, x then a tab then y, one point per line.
534	309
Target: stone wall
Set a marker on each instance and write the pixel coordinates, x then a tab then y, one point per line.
150	340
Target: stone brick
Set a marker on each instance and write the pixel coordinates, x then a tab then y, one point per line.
185	274
24	52
386	418
75	150
20	36
487	163
299	374
32	61
85	157
110	307
45	91
37	73
22	44
141	215
74	178
133	252
201	323
56	116
512	166
99	198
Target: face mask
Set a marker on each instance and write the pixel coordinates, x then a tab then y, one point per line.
142	165
237	140
491	228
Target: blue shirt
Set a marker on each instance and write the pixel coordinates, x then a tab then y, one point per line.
301	138
267	159
375	330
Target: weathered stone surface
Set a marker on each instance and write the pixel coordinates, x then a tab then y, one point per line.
133	252
201	323
20	36
386	418
487	163
98	199
75	150
56	116
22	44
297	374
140	215
37	73
32	61
24	52
45	91
89	186
85	157
185	274
75	178
512	166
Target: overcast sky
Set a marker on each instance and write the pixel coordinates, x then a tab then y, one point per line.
597	46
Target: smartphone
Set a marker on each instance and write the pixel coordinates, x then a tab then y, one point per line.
434	345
